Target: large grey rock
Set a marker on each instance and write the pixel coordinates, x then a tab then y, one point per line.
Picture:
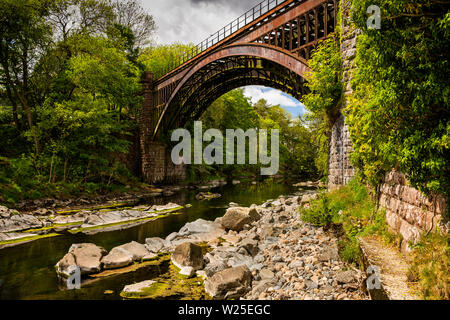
136	249
155	244
18	222
87	256
231	258
188	255
198	226
172	236
213	268
236	217
138	287
117	258
230	283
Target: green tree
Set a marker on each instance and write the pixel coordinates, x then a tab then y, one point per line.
159	58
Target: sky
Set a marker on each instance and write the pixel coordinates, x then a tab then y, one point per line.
194	20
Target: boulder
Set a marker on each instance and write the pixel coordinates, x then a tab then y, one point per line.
136	249
137	288
117	258
213	268
188	254
18	222
251	246
346	276
198	226
230	283
236	217
172	236
85	255
155	244
187	271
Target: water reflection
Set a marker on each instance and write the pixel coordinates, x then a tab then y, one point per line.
27	271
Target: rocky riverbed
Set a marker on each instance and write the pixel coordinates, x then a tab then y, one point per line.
258	252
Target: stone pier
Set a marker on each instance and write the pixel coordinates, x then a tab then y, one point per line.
156	163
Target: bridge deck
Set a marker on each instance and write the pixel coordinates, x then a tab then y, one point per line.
260	14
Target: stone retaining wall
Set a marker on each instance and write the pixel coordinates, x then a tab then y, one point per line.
408	211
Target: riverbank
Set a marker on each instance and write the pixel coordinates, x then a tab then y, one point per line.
27	270
261	252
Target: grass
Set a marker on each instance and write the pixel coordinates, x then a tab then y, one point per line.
430	266
352	208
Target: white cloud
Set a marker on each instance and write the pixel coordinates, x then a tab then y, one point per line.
193	20
274	97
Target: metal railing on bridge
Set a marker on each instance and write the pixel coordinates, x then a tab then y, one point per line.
245	19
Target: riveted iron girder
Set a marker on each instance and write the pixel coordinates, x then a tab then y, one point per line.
272	51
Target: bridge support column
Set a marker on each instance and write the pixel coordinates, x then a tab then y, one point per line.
340	169
156	163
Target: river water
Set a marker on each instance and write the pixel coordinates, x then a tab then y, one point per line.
27	271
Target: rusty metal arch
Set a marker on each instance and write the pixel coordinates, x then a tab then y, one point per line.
233	84
275	54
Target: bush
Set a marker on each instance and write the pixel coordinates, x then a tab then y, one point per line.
319	213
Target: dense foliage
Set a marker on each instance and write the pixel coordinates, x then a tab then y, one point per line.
235	111
399	115
69	92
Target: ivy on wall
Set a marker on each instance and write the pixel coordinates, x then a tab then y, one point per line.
325	94
398	116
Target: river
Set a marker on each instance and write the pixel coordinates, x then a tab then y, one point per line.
27	271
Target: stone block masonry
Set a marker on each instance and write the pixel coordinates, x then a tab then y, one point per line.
156	163
408	211
340	170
